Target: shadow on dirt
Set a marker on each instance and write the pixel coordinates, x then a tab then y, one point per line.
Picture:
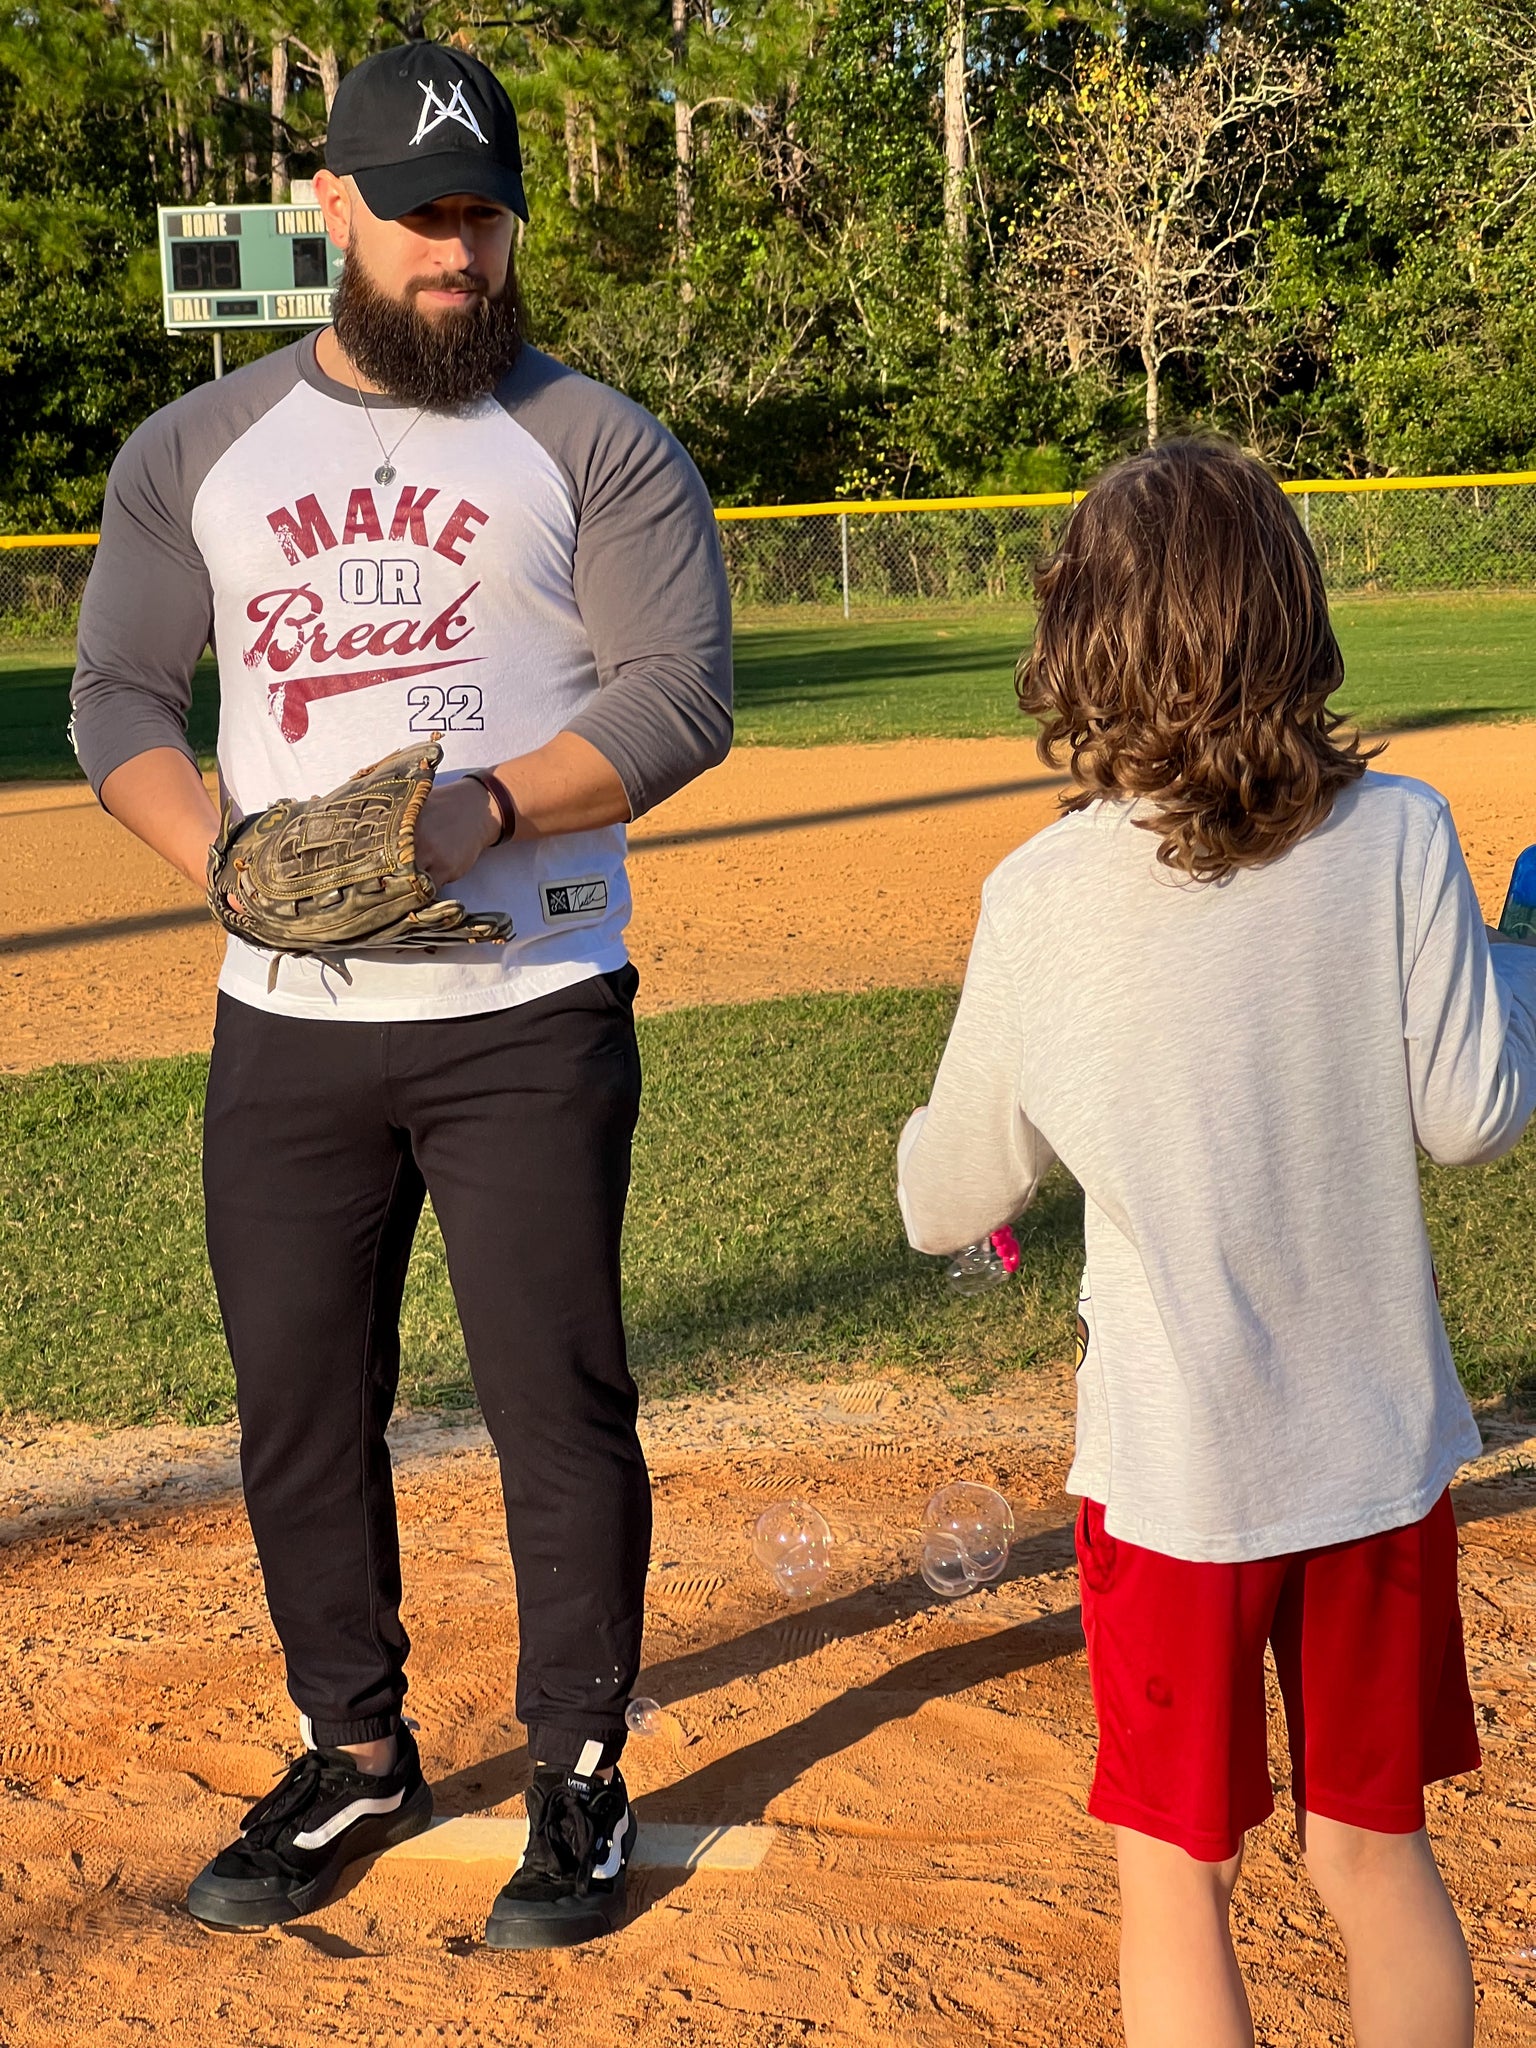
739	1788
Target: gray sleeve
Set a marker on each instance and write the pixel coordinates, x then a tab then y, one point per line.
1469	1019
147	613
649	579
972	1160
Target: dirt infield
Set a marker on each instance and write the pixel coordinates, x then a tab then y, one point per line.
933	1881
789	870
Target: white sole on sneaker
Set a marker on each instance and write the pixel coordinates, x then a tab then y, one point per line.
229	1908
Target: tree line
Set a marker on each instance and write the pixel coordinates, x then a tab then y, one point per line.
850	247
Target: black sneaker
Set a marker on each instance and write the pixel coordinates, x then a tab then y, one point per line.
294	1844
569	1887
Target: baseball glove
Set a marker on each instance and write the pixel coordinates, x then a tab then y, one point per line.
337	874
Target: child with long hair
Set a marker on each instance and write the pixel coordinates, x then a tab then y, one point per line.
1233	990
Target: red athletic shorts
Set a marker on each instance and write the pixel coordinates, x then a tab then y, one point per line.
1368	1649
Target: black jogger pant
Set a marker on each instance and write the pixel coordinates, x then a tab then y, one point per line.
320	1140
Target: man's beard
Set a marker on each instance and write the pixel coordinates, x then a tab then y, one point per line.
440	363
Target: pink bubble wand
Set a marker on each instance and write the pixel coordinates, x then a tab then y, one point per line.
1006	1245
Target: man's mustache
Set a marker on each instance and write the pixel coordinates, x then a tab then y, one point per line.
450	281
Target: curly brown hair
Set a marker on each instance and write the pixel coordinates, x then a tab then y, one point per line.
1183	653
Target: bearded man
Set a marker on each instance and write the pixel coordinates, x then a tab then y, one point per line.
414	523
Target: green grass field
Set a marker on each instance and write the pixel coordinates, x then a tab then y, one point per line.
1410	660
741	1267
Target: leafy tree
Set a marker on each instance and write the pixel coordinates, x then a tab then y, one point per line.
81	352
1436	271
1149	235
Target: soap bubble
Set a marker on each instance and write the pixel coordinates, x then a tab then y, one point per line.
979	1520
650	1718
645	1717
793	1545
945	1567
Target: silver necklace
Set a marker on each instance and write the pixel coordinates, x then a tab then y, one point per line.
385	473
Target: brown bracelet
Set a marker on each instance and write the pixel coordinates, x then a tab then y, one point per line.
501	797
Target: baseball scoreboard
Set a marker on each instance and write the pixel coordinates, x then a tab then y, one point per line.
245	266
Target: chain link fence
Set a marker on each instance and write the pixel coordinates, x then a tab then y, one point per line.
1421	534
1472	533
1431	534
877	558
41	583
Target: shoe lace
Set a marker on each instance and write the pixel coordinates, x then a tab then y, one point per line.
564	1837
291	1796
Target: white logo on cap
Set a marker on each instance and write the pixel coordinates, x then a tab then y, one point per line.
434	111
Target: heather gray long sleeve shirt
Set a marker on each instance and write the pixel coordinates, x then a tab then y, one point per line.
546	561
1238	1076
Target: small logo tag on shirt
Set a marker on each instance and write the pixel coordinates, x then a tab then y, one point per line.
585	897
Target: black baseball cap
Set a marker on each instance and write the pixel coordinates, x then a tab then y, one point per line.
419	122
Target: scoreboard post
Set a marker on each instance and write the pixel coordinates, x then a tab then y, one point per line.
228	267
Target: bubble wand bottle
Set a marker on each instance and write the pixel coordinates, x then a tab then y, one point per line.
1518	919
983	1266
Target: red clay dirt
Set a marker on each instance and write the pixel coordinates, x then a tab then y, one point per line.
934	1879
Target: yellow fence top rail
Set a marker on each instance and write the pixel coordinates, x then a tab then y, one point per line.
49	540
1301	487
1298	488
727	512
1356	484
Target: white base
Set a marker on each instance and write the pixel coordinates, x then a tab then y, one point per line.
469	1839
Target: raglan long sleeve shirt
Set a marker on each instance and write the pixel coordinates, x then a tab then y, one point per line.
1238	1075
545	561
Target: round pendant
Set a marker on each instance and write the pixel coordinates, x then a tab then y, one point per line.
384	474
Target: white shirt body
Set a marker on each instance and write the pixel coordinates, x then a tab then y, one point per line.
368	575
389	623
1238	1075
